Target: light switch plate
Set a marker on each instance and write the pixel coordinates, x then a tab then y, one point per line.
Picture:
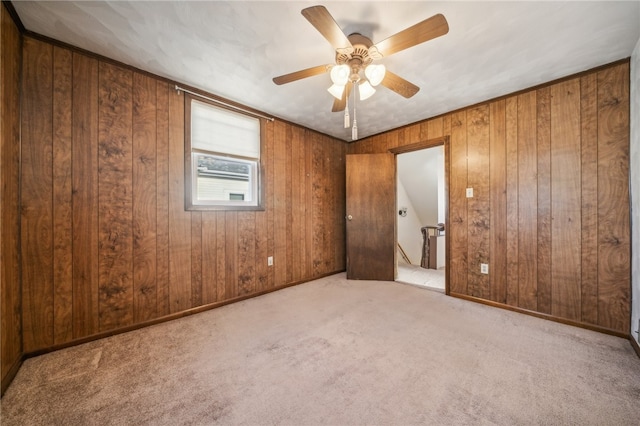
469	192
484	268
270	261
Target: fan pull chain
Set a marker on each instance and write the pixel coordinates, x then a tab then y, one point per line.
354	129
346	114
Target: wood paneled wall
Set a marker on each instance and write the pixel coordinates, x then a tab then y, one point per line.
106	240
550	212
11	341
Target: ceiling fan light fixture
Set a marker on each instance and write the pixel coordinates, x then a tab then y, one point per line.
340	74
366	90
336	90
375	73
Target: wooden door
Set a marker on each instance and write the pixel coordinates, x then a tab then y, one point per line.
371	205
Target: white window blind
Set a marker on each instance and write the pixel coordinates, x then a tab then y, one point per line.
219	130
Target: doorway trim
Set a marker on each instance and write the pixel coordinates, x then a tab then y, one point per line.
431	143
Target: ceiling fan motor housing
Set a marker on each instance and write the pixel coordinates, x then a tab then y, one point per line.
359	58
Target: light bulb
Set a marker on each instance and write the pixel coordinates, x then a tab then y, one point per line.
375	73
366	90
336	90
340	74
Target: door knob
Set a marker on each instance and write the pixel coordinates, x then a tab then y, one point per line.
349	217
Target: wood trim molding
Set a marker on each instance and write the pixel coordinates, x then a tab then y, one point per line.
429	143
541	315
11	374
443	141
14	15
634	345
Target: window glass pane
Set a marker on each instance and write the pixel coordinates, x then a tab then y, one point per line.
222	180
219	130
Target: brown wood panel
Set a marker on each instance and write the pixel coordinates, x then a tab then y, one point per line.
295	240
308	201
527	202
221	259
246	253
115	230
338	218
424	130
36	197
589	186
412	134
330	207
179	219
511	105
458	229
380	143
10	297
162	199
434	128
394	139
305	238
269	202
209	251
478	206
85	196
498	204
261	251
288	207
280	205
446	129
62	197
196	258
318	207
565	200
144	199
544	199
231	256
613	199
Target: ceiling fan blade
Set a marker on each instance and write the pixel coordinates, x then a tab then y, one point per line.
341	104
298	75
399	85
426	30
322	20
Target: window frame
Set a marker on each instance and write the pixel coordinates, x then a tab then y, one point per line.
190	173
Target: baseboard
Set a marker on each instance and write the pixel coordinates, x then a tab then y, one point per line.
542	315
166	318
11	374
634	344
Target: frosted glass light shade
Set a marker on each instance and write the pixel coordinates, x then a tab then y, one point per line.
375	73
366	90
340	74
336	90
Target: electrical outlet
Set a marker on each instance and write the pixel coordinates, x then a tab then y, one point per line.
469	192
484	268
270	261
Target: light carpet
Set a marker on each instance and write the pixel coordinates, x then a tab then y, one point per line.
337	352
433	279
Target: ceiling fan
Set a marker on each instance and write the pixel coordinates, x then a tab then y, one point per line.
356	53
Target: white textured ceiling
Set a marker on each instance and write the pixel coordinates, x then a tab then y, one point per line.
234	49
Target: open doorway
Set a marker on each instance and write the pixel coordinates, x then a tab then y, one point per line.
420	219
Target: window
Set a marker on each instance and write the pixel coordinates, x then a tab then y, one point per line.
222	158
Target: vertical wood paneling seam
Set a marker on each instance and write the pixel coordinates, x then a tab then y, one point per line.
51	194
597	132
517	287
